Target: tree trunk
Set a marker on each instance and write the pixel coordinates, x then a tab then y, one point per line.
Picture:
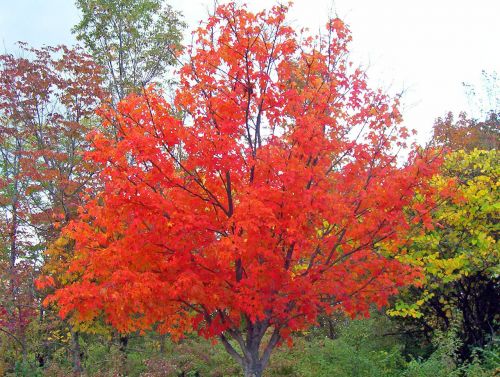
253	373
331	328
123	342
162	343
253	365
24	348
253	368
76	353
252	361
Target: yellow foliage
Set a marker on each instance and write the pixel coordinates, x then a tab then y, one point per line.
463	239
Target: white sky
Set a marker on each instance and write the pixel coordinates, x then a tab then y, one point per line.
427	47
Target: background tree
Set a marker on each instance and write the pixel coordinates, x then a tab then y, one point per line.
484	98
482	130
275	211
467	133
460	256
134	40
47	101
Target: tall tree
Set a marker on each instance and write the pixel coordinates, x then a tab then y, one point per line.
47	100
134	40
276	209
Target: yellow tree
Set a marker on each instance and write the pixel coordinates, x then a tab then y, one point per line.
460	256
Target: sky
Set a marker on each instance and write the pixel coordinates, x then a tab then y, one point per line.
427	48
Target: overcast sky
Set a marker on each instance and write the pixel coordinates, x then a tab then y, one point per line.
427	47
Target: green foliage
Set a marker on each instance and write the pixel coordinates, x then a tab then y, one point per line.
361	349
485	362
445	362
193	357
26	370
441	363
134	40
366	348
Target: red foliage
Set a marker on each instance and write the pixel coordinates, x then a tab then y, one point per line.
265	205
46	101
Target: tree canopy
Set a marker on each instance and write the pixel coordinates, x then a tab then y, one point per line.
276	196
135	41
460	255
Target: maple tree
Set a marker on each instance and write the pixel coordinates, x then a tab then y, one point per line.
47	102
266	203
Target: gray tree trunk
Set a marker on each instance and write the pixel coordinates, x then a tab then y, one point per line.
76	353
251	359
253	368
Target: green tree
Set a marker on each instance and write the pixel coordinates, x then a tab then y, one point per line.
134	40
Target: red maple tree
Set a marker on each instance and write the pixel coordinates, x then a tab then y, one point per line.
269	192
